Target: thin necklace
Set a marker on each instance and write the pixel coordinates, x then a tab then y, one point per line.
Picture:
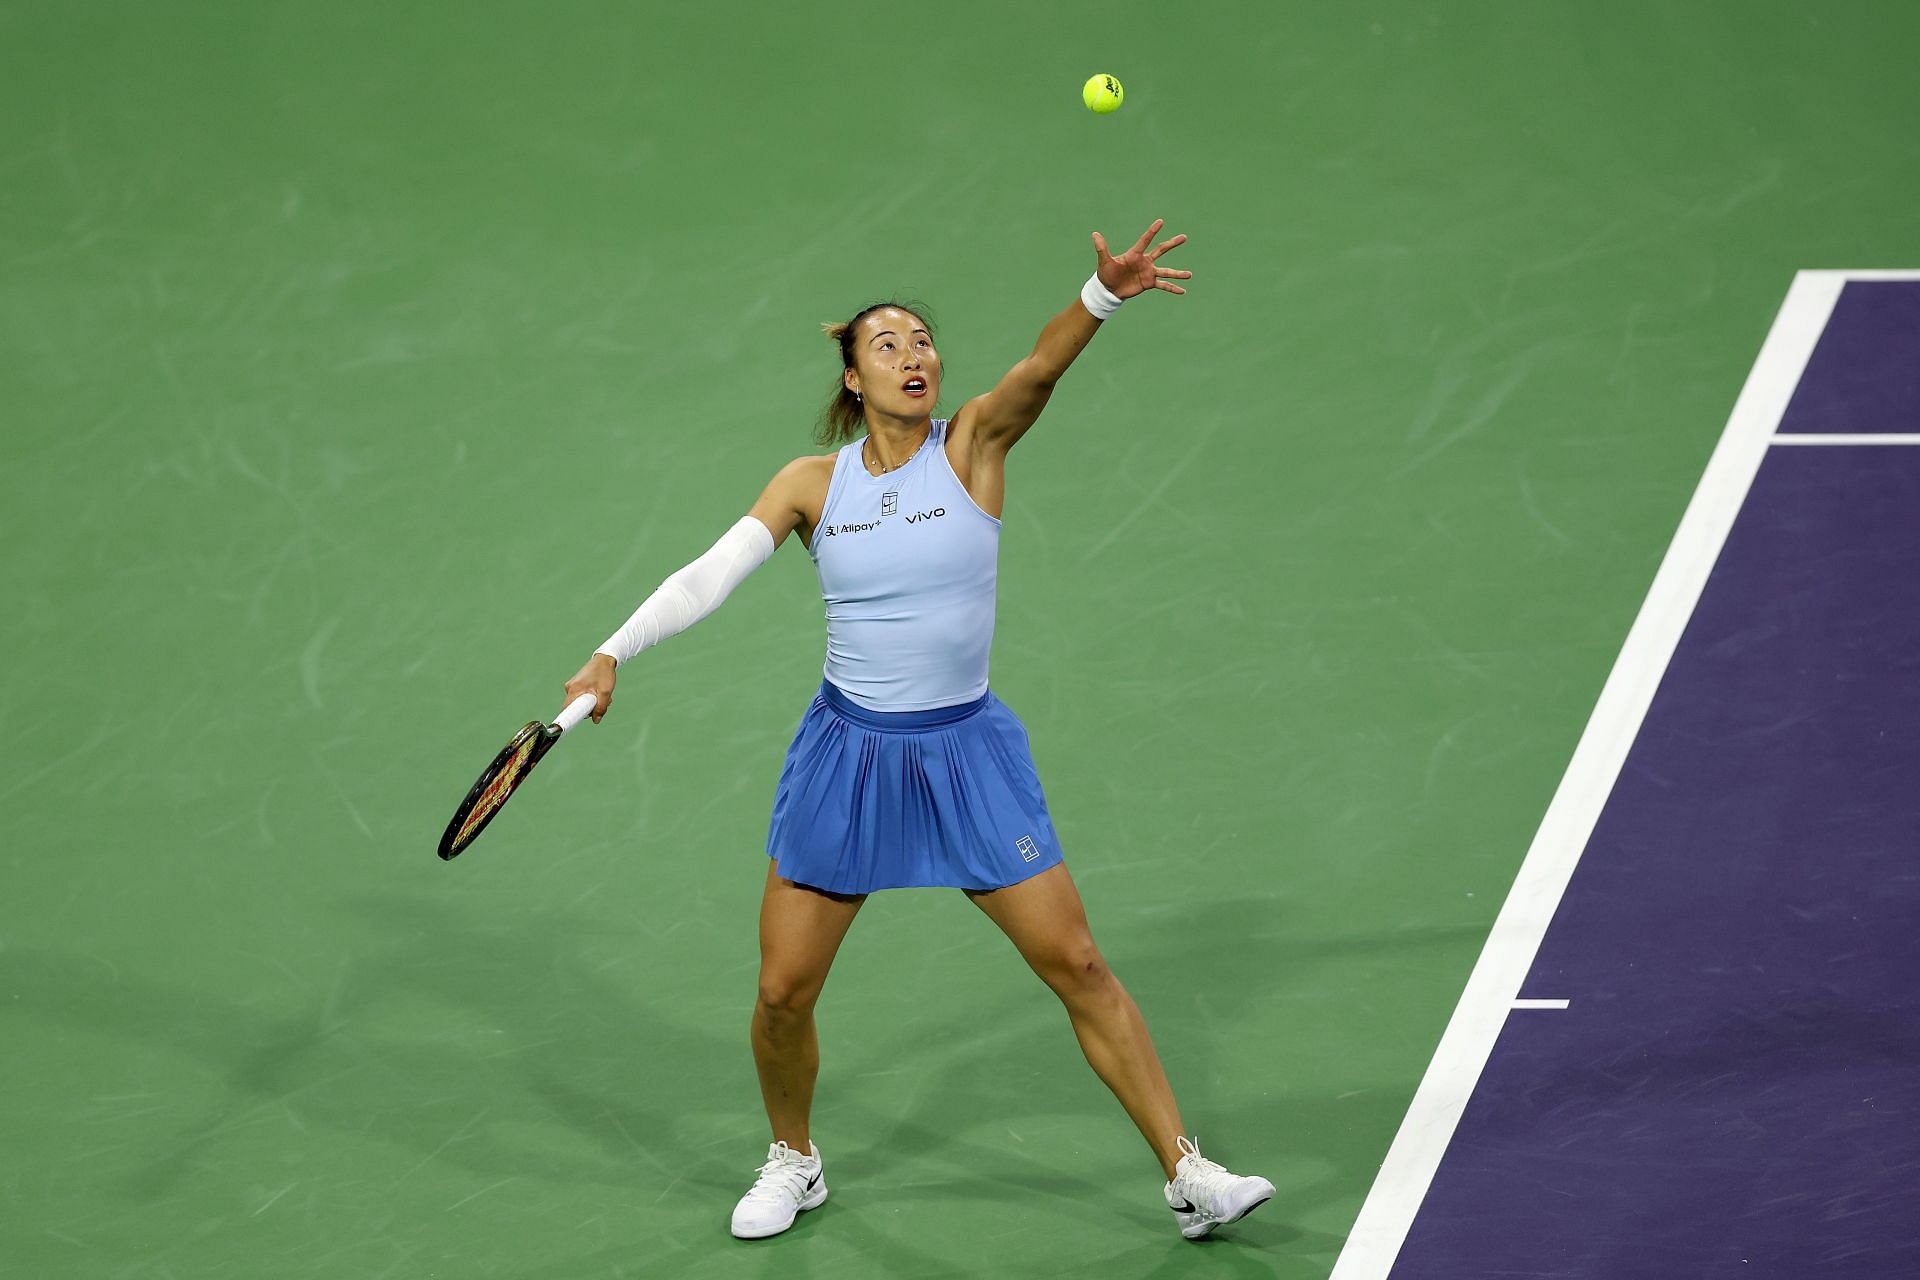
896	466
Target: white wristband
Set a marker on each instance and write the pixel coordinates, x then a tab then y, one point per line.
692	593
1100	301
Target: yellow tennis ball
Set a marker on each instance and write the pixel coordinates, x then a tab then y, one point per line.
1102	94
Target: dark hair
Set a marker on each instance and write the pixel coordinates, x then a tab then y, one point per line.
843	417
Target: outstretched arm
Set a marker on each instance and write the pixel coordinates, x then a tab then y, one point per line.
691	593
791	500
1003	415
688	595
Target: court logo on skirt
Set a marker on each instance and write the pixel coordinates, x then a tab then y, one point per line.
1028	850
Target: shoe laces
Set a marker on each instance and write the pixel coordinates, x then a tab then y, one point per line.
784	1174
1201	1179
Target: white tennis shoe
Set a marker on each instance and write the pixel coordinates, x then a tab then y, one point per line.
1202	1195
788	1185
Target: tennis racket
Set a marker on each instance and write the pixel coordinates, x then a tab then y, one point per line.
508	770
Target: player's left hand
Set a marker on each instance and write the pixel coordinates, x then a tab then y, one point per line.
1138	269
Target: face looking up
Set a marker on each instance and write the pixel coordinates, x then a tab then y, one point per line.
896	370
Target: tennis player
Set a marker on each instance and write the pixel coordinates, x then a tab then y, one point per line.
906	769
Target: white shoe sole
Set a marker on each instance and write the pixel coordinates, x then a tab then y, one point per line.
1196	1227
815	1198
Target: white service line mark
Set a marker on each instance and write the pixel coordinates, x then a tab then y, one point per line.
1839	437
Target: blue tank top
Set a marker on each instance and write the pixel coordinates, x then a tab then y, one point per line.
908	563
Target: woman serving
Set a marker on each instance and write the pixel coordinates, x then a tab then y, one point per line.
906	769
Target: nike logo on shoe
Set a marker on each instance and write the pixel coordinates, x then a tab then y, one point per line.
1186	1207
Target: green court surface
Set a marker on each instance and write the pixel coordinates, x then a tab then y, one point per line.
362	366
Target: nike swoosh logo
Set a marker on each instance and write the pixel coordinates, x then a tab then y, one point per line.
1188	1207
810	1181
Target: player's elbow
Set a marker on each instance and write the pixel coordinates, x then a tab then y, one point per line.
1041	370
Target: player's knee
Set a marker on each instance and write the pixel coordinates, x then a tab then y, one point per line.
1079	970
784	998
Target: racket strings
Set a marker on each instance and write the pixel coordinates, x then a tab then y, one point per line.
498	789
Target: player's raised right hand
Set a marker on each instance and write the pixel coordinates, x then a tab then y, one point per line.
596	678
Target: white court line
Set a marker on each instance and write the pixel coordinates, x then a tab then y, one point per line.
1847	438
1541	1004
1863	273
1408	1171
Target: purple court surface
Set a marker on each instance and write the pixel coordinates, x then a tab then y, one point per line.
1865	374
1733	1085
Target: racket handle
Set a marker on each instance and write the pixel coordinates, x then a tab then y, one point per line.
577	710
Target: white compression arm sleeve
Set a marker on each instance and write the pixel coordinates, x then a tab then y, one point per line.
692	593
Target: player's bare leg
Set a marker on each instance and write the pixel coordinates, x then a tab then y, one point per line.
1046	921
800	931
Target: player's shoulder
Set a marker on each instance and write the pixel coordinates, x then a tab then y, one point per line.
810	468
794	497
807	476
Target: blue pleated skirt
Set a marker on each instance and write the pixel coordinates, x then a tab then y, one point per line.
896	799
